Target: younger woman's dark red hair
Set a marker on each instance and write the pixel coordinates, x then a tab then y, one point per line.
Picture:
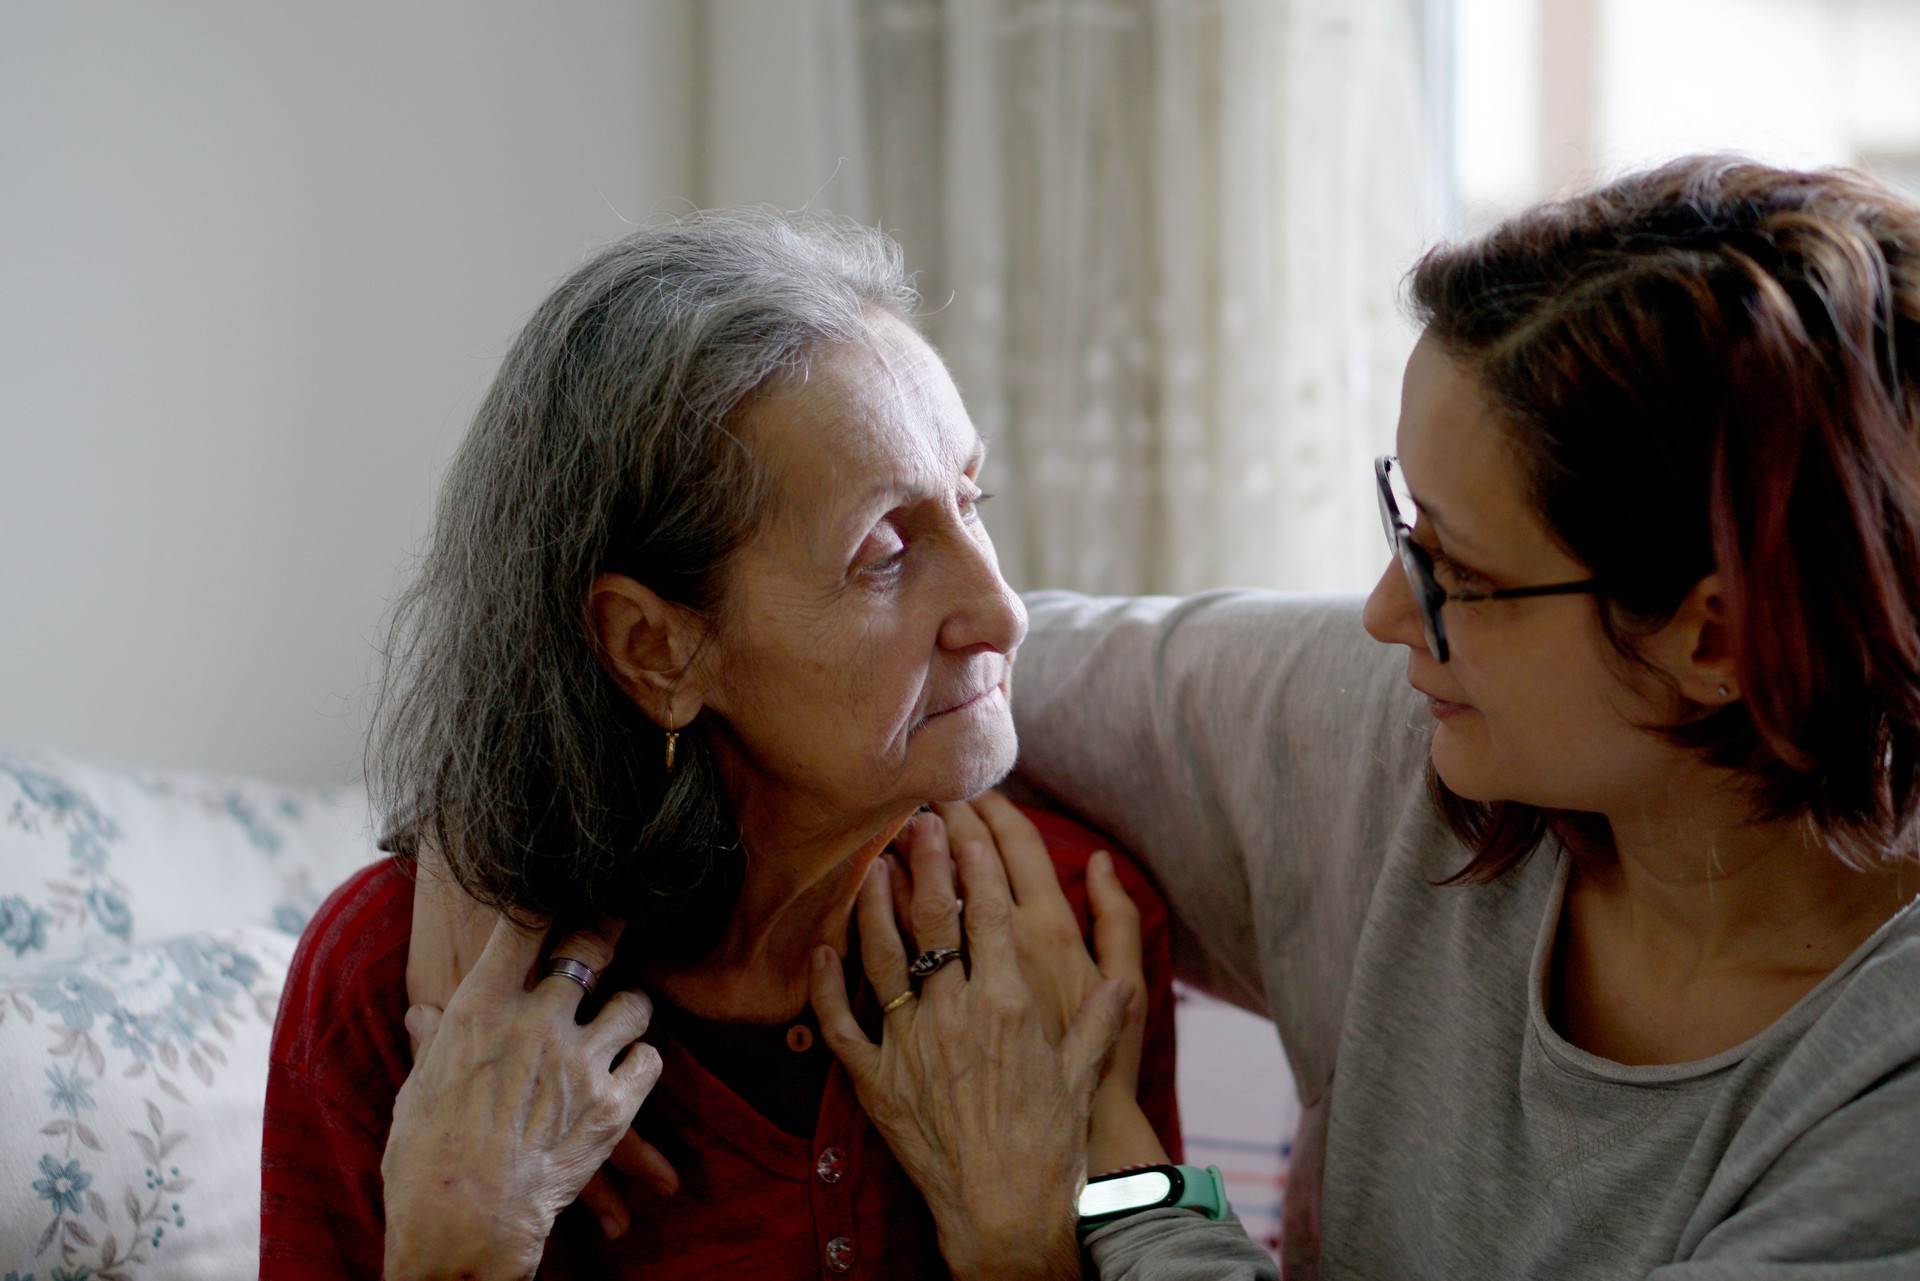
1711	366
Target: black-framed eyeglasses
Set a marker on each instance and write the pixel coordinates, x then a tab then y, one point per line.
1418	565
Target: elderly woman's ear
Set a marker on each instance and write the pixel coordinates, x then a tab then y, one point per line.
647	644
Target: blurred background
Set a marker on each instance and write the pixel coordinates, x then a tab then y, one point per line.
258	262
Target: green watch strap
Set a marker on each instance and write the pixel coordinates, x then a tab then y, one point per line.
1203	1190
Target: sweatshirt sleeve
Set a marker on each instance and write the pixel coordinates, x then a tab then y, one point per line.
1178	1245
1256	752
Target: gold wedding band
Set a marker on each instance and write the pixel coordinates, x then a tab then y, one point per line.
898	1001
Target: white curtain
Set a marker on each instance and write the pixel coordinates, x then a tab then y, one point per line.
1161	243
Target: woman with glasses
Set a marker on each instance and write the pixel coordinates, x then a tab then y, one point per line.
1583	894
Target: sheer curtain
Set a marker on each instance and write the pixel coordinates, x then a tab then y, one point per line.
1161	243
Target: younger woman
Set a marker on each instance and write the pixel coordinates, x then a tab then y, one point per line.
1594	950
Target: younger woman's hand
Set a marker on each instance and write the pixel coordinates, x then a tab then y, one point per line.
510	1108
987	1115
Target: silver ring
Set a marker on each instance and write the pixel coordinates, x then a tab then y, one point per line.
932	959
565	967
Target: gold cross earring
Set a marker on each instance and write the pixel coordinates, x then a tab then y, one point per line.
673	739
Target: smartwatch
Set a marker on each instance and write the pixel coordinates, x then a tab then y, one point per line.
1148	1187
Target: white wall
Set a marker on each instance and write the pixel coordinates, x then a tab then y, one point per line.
780	106
257	262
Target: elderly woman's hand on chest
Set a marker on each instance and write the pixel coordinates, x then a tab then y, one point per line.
451	932
511	1107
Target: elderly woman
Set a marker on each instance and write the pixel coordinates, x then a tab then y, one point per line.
1586	899
708	615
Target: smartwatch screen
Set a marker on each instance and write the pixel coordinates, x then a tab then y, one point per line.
1127	1192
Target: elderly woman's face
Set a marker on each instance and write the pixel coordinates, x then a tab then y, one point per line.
866	651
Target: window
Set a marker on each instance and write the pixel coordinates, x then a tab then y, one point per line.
1553	94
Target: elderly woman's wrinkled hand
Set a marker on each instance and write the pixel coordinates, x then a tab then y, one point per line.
511	1107
450	931
985	1112
1053	955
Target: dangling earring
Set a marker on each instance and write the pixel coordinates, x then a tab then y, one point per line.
673	739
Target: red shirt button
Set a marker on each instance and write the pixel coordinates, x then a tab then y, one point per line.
840	1254
828	1167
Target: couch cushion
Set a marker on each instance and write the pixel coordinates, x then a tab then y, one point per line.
146	924
97	856
131	1091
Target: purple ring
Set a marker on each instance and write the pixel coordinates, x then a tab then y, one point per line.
565	967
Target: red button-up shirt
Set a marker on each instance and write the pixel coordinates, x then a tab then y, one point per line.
754	1201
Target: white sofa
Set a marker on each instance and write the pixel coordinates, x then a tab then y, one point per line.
146	924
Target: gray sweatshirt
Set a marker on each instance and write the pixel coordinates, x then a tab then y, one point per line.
1265	759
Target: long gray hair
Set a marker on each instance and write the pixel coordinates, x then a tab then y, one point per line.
604	444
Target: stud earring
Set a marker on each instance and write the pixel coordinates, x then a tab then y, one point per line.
1725	692
673	740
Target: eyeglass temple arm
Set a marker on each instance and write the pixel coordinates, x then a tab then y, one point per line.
1515	593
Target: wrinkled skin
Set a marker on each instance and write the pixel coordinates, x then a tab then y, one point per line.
507	1070
860	669
1049	1048
982	1085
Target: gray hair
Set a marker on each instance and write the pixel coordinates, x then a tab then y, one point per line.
604	444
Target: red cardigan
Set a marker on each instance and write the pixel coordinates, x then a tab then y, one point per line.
753	1202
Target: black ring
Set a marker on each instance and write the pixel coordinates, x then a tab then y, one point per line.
932	959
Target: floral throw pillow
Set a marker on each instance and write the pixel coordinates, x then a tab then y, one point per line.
146	925
131	1092
97	856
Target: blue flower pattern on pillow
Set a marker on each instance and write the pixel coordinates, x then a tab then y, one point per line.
112	912
74	999
164	1010
89	832
241	811
62	1184
68	1090
47	801
23	927
156	1026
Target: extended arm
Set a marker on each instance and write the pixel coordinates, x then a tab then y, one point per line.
1258	753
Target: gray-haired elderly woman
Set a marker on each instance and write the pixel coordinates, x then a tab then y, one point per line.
707	618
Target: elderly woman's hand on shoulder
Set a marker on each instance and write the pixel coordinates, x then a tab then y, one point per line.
1054	960
984	1080
512	1106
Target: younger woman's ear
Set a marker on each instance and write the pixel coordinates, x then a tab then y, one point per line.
1696	647
646	643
